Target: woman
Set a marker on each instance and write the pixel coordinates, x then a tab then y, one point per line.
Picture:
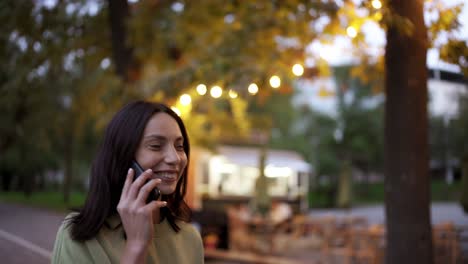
116	224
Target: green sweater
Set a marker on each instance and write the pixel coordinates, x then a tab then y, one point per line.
183	247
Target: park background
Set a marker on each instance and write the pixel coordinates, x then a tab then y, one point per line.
311	77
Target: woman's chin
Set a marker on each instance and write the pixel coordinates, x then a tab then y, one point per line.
166	190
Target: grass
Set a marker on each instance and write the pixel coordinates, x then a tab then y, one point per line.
50	200
440	191
368	194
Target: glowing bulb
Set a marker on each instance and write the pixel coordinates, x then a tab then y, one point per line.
253	88
297	69
216	91
185	99
176	110
376	4
232	94
351	31
275	81
201	89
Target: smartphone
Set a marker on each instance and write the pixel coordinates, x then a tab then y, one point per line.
152	196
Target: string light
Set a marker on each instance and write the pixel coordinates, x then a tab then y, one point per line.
253	88
216	91
376	4
176	110
275	81
233	94
185	99
297	69
201	89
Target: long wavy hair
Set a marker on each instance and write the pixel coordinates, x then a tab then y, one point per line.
110	166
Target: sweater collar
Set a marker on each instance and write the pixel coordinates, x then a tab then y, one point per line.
114	221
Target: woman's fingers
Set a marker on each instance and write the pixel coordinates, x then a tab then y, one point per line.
137	216
128	182
155	205
135	193
138	183
147	189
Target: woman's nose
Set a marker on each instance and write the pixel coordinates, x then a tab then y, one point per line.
172	155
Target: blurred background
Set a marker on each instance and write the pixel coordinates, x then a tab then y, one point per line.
283	101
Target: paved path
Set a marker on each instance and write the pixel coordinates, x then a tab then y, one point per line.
440	212
27	235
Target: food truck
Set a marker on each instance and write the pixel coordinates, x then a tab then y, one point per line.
229	173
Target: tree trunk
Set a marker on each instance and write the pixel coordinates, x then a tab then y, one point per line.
68	159
6	176
262	199
345	196
125	65
407	192
464	184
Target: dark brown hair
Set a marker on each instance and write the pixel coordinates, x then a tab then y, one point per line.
110	166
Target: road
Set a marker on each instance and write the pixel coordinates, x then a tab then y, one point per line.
27	235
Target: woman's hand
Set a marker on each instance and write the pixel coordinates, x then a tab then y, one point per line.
138	217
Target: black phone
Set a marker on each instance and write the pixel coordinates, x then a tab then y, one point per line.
152	196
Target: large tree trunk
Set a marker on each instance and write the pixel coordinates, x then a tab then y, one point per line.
464	184
344	198
407	193
125	64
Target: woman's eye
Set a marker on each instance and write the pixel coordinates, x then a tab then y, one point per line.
180	147
155	146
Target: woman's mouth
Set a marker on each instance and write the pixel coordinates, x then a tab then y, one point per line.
167	176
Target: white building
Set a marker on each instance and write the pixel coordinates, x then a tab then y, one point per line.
231	172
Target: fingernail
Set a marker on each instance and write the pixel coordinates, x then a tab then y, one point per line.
129	170
149	170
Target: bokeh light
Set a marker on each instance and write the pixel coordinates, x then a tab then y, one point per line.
216	91
275	81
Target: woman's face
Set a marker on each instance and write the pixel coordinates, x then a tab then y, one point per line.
162	150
